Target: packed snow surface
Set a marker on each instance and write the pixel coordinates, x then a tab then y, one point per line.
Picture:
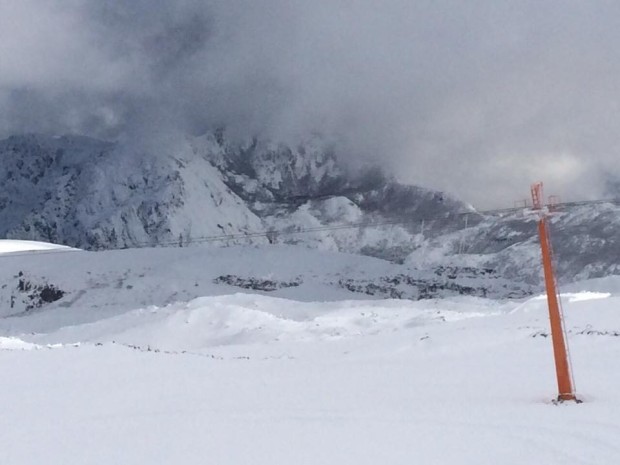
302	374
9	246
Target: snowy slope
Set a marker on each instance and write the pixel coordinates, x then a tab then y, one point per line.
255	379
41	291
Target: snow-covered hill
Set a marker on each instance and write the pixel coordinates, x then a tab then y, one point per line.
146	356
63	286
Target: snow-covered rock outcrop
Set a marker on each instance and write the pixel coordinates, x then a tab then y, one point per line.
96	195
91	194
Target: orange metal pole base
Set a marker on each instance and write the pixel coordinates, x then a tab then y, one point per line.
567	398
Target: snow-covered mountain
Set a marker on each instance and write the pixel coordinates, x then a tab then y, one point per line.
585	242
91	194
98	195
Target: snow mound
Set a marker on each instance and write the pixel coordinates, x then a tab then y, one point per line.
247	319
13	343
11	246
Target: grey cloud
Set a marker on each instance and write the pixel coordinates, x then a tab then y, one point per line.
479	98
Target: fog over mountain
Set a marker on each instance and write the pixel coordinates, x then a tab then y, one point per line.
479	98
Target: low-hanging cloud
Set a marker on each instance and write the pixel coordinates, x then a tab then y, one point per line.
478	98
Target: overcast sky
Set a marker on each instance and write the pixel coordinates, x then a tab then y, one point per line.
478	97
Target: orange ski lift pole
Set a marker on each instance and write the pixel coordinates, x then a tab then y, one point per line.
560	352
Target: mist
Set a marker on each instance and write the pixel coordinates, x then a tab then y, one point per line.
477	98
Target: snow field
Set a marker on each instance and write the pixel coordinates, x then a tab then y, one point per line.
280	381
146	360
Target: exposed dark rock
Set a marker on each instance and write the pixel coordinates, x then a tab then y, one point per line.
36	294
256	284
